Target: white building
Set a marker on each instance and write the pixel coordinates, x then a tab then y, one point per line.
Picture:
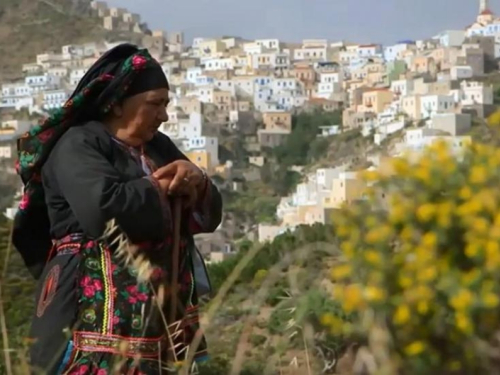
270	44
53	99
432	104
395	52
459	72
451	38
419	139
473	93
193	73
402	87
184	128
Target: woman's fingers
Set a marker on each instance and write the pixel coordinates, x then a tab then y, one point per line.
180	180
168	170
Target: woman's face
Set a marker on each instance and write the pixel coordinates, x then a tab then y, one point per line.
142	114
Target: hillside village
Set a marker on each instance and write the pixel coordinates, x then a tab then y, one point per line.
420	90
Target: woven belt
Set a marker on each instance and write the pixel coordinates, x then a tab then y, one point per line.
125	346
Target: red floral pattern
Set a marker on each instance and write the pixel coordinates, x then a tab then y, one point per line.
110	290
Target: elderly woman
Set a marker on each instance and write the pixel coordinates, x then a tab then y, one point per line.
100	159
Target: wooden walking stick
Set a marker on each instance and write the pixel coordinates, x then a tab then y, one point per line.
174	281
174	286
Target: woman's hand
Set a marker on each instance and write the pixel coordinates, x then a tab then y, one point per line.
183	178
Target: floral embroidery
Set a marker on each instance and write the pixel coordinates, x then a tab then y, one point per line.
93	264
24	201
80	370
139	62
89	316
91	287
133	294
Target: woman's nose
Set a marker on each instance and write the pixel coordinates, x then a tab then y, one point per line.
163	116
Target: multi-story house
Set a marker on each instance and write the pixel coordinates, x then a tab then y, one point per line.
396	52
376	100
402	87
473	93
410	106
347	188
432	104
203	151
277	120
53	99
269	44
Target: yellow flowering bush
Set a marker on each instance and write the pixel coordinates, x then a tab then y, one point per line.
421	260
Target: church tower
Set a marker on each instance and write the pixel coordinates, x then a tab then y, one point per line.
484	6
485	16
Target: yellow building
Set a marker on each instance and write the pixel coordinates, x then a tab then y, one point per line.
347	188
277	120
201	159
377	100
222	99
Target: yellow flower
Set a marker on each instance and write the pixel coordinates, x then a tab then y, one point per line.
407	233
478	175
397	214
429	239
471	276
338	292
490	300
462	300
421	293
415	348
426	212
353	298
347	249
472	249
341	272
402	315
469	208
373	257
423	307
463	323
480	225
492	255
465	193
405	281
427	274
342	230
444	214
494	119
370	176
326	319
374	294
401	166
495	232
423	174
336	325
424	254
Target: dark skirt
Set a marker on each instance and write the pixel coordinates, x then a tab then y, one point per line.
93	316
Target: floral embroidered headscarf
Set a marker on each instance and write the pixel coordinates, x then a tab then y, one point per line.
110	80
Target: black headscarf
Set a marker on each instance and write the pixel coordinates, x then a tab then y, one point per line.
121	72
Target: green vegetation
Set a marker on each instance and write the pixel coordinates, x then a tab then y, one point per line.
257	202
303	146
292	299
30	27
252	205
